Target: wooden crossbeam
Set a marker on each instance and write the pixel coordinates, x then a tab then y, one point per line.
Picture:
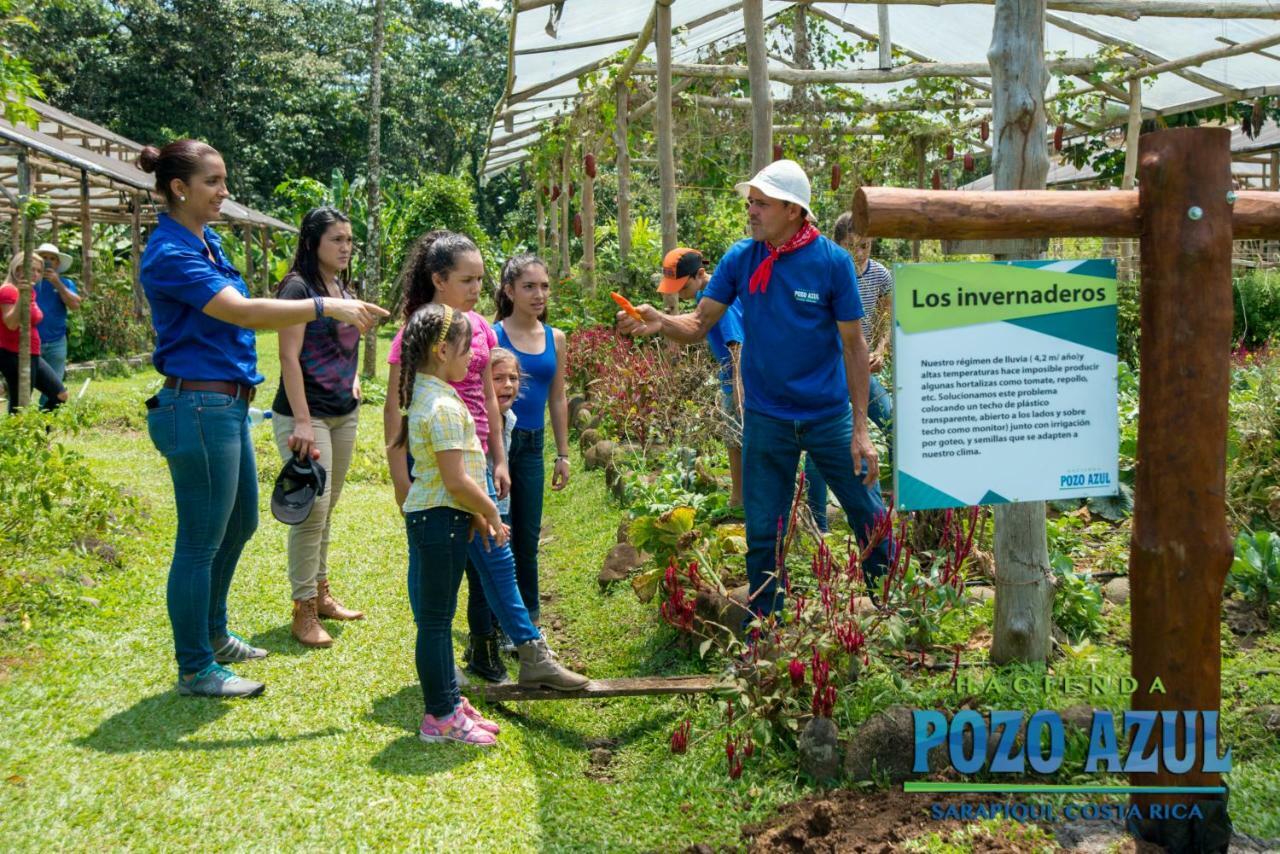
644	686
1114	8
944	214
910	71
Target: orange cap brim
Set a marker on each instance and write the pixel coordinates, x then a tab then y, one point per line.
672	286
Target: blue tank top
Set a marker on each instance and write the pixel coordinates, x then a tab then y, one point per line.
536	374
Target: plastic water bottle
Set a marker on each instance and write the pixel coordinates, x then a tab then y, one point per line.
257	416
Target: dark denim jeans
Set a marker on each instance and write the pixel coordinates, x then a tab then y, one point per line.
528	479
880	411
491	582
438	539
770	453
204	436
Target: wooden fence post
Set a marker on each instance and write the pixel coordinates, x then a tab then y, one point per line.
665	127
620	140
86	236
566	251
1181	547
761	97
135	255
25	291
588	219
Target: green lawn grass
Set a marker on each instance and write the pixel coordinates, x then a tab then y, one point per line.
97	750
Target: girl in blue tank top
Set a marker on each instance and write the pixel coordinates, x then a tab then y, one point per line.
522	311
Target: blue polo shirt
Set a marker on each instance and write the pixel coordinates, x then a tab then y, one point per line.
727	331
794	366
54	326
179	280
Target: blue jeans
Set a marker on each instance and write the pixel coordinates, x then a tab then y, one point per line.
54	354
528	478
204	436
438	539
770	453
880	411
491	576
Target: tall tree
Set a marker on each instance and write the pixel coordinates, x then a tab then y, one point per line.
373	247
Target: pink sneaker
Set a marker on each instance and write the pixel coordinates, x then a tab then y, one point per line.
479	719
455	727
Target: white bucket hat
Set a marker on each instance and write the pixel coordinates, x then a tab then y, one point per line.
783	180
64	260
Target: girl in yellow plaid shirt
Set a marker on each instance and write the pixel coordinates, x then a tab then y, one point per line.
446	507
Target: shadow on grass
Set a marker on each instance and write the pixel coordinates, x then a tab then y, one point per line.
409	756
165	721
280	640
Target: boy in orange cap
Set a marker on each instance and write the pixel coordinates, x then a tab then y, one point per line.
684	273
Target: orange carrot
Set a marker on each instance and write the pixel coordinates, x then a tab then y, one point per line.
625	305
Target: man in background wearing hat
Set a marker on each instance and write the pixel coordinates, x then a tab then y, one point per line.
805	372
56	296
684	273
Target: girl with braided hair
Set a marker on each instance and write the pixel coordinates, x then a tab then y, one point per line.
445	508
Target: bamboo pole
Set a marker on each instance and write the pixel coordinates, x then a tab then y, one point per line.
1181	545
15	233
817	107
1020	161
800	51
86	237
758	74
920	168
1115	8
264	234
566	258
885	43
135	256
1132	129
665	130
917	70
246	237
541	221
588	220
25	295
621	140
372	284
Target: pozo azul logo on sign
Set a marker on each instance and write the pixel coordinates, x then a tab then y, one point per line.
1078	480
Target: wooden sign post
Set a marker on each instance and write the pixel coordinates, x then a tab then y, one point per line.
1185	215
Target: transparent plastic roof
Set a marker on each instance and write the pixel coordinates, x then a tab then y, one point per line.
951	33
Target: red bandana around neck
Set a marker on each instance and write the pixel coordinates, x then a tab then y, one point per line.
802	238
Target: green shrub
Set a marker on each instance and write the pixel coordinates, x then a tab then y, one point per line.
1255	572
1253	444
1257	308
58	521
1077	602
106	326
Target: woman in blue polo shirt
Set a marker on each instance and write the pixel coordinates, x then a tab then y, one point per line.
205	348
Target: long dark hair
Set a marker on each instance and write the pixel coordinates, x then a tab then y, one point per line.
179	159
434	252
306	258
511	271
420	335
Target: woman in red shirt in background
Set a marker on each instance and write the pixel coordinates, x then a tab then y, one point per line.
42	376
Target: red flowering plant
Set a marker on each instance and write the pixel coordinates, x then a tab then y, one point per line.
789	668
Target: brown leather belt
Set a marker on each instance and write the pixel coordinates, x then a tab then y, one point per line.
237	390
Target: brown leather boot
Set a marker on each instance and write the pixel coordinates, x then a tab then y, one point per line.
306	628
330	608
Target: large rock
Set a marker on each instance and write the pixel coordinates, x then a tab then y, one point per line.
980	592
1116	591
618	564
575	403
885	746
727	611
588	438
820	750
1269	717
583	419
598	454
624	530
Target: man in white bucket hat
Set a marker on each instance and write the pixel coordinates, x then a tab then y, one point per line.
57	296
804	368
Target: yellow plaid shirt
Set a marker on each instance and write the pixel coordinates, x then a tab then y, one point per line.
439	421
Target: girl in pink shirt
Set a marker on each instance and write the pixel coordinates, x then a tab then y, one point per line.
447	268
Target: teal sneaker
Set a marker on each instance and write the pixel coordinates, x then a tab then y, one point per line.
217	681
232	650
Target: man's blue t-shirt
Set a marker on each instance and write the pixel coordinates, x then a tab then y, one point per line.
54	326
793	367
179	280
727	331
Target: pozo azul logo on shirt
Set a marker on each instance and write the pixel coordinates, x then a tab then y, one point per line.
807	296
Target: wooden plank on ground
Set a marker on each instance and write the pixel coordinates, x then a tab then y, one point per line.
596	688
